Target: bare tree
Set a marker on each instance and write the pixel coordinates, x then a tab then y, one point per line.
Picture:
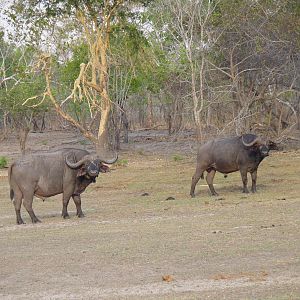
262	69
188	23
121	83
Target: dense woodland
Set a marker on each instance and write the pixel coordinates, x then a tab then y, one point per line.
106	67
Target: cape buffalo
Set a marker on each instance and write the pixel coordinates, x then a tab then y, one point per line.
243	153
66	171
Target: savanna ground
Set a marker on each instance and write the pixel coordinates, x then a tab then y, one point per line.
234	246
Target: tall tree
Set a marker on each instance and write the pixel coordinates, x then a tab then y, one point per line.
189	25
95	20
18	83
260	47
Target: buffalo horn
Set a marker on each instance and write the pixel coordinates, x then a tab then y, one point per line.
255	140
109	161
77	164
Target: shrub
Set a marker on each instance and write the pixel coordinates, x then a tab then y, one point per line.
83	142
177	157
122	163
3	162
44	142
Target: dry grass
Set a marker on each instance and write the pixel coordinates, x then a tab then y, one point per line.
233	246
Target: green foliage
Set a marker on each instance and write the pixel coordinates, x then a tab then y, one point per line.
121	163
3	162
152	70
12	99
83	142
177	157
147	53
131	52
21	82
44	142
78	109
69	71
32	18
129	37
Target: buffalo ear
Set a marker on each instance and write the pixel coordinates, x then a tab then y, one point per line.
81	172
272	145
103	168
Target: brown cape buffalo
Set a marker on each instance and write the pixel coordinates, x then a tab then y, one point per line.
66	171
243	153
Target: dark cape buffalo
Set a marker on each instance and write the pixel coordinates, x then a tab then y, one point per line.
243	153
66	171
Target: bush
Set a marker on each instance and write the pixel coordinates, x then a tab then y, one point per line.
177	157
3	162
122	163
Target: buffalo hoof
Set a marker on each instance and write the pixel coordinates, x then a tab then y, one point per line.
65	216
192	195
36	220
245	191
81	215
214	194
20	222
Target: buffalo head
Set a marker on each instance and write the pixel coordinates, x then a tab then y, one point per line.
252	141
90	165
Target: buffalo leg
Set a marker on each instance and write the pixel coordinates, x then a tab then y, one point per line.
77	201
198	173
17	203
253	177
67	193
64	213
209	179
19	218
27	202
245	180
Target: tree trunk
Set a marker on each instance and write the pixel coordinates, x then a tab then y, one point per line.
150	110
169	122
198	133
298	113
125	125
22	135
117	139
103	141
5	126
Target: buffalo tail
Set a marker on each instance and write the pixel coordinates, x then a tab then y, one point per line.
12	194
9	176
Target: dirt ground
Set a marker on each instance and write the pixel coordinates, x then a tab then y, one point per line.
143	237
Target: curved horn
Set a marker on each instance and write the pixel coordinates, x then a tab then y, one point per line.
76	164
254	140
109	161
